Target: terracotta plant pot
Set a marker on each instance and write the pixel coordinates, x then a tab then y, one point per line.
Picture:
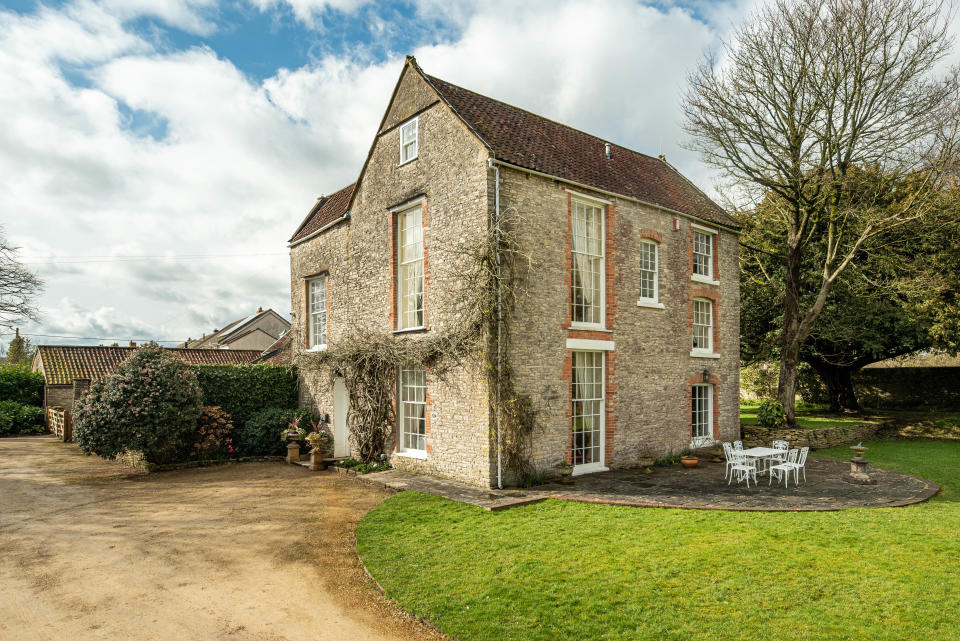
689	461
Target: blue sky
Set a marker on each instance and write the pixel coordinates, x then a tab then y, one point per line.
158	154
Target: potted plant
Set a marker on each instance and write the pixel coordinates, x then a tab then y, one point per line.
689	460
566	472
293	435
318	439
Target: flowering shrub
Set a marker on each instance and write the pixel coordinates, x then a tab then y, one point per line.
150	404
213	434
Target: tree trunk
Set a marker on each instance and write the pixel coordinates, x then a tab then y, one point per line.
840	392
790	342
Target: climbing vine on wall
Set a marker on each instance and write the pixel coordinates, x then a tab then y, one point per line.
486	286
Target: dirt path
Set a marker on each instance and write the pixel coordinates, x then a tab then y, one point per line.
255	551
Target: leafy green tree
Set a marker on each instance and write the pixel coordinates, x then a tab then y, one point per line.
898	297
804	94
20	351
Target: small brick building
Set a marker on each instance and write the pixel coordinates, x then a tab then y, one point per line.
627	336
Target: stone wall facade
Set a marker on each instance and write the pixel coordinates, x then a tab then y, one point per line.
649	370
357	257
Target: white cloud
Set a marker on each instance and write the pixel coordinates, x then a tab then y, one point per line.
171	153
309	11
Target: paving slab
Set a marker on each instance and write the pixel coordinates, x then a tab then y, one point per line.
702	487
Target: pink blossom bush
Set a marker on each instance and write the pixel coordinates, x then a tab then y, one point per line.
151	404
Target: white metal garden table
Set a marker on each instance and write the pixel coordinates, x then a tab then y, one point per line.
761	453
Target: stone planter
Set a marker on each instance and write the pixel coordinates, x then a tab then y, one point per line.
316	461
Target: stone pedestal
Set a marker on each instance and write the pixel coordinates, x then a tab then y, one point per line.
316	461
858	472
293	452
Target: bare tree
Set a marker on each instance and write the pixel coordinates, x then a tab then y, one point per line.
19	287
804	94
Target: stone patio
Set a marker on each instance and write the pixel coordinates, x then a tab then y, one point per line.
702	487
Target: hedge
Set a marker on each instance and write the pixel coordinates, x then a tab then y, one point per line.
19	384
243	390
17	418
262	434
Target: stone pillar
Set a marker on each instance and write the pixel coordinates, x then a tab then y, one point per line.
293	452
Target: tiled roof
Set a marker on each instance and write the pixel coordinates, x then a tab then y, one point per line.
524	139
280	352
533	142
326	210
63	363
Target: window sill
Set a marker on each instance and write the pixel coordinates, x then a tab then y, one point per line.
407	162
317	348
650	303
589	328
706	280
410	330
699	354
422	456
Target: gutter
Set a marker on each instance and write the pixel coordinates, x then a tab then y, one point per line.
336	221
614	194
492	164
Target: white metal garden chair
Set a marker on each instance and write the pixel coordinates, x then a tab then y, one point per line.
784	469
743	467
728	454
799	464
738	445
784	447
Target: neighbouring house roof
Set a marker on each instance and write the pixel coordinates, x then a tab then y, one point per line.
280	353
60	364
326	210
233	331
517	137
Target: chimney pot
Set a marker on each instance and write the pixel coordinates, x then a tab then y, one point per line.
259	310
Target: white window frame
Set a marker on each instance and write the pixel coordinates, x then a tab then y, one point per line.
404	406
403	266
647	301
696	414
602	293
711	234
708	350
415	123
315	314
600	464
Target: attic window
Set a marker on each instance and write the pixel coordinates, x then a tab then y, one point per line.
408	141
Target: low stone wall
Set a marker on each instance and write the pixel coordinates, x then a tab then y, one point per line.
135	460
817	439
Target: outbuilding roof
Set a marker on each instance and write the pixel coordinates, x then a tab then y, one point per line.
60	364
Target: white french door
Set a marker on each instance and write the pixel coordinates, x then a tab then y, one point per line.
587	416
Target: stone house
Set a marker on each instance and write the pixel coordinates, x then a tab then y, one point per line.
626	337
259	331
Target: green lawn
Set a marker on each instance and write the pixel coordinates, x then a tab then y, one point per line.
811	416
561	570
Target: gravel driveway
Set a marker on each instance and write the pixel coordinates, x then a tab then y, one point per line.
249	551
